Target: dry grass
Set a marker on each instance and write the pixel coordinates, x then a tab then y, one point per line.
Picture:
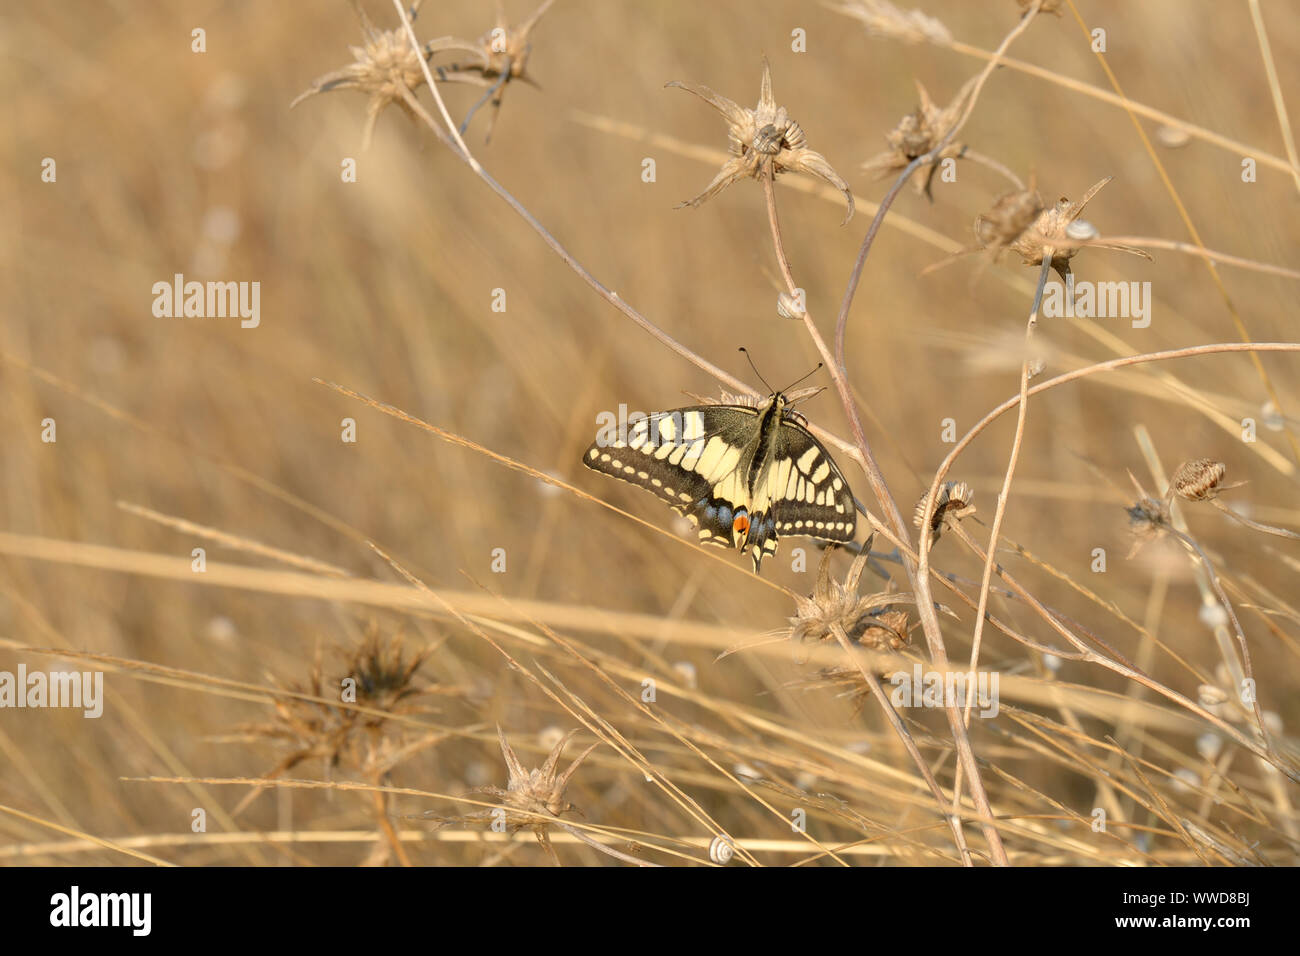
377	561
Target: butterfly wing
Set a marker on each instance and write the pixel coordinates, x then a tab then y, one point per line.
691	458
809	495
699	461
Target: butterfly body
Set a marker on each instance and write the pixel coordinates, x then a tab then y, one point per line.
744	475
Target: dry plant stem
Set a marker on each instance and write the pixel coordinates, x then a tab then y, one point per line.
465	154
925	608
878	692
842	320
1266	528
993	164
688	805
1279	105
1191	249
613	298
1105	96
597	845
1191	544
380	801
1003	496
1192	231
929	619
922	583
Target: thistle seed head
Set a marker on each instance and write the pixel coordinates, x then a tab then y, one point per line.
1200	480
764	141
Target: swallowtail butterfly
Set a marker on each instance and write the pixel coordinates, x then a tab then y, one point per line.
743	475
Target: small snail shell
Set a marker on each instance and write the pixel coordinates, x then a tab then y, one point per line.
788	307
1081	229
721	850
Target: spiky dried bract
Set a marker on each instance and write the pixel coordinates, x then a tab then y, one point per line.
1200	479
764	141
384	68
501	58
1022	222
919	132
873	621
1147	519
952	503
1012	214
384	676
883	19
538	793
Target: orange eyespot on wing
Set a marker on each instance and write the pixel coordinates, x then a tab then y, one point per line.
741	524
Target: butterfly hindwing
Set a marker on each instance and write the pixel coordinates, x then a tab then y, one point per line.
814	498
742	475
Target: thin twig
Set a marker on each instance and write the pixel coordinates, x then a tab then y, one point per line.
842	320
954	821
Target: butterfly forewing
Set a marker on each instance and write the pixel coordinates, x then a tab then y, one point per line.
742	476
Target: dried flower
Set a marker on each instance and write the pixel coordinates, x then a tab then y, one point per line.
919	132
764	141
883	19
1147	518
1048	230
502	58
953	503
1200	480
385	68
384	678
872	621
537	793
1012	214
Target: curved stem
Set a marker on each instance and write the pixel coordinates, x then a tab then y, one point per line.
929	619
842	320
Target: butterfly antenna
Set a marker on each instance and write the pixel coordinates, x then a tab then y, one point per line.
801	378
758	373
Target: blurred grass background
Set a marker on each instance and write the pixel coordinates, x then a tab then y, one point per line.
170	161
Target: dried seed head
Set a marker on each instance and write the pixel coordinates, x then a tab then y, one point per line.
764	141
507	46
918	133
1199	480
531	796
1011	215
952	504
385	681
886	629
1050	230
386	67
874	620
500	57
538	791
1147	518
